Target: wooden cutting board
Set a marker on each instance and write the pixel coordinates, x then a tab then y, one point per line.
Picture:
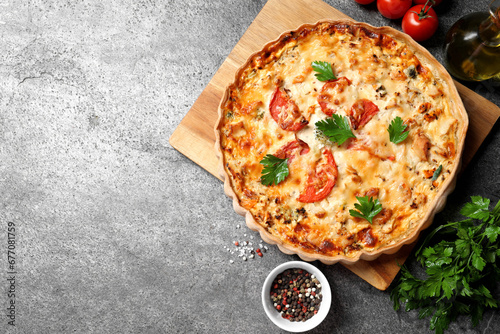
194	137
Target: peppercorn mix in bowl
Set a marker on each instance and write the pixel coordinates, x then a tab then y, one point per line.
296	296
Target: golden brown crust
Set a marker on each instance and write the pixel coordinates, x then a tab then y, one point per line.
325	249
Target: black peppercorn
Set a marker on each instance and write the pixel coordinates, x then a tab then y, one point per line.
296	294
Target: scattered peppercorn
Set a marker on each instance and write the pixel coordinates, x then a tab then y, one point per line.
296	294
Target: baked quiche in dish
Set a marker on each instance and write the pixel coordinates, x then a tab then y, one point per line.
340	141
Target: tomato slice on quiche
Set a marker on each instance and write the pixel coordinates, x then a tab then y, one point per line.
321	182
286	112
330	96
361	113
290	150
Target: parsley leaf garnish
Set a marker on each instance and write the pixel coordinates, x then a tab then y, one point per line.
275	170
324	69
337	128
461	264
397	131
368	208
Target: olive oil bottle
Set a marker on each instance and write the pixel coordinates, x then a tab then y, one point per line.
472	45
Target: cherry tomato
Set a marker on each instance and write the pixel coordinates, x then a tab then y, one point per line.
322	180
364	2
327	98
420	22
393	9
361	113
422	2
285	112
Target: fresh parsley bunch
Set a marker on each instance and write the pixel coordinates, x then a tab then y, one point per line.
461	266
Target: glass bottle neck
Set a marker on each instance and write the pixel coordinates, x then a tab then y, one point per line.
489	30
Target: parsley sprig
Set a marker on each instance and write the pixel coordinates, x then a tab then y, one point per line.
324	70
337	128
367	208
396	130
461	268
275	170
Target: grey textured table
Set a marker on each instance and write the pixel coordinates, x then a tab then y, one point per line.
116	231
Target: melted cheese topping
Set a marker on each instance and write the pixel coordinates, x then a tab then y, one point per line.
380	70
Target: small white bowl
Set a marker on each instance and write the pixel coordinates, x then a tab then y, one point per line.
297	326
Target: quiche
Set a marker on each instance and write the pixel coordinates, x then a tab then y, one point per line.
340	141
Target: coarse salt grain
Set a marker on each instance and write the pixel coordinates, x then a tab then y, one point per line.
244	249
